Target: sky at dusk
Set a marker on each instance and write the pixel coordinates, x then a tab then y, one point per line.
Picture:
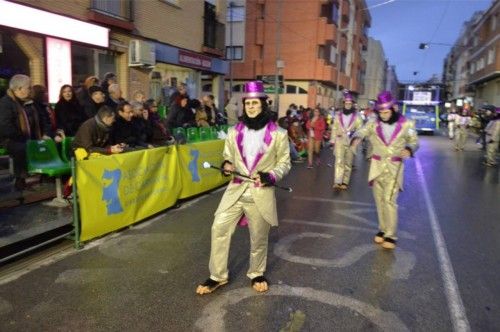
401	25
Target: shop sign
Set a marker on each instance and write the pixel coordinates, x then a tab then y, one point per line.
58	66
46	23
194	60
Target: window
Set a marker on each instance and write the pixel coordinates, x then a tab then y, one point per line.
210	25
493	23
330	10
235	14
117	8
335	13
234	53
292	89
333	54
321	52
262	10
491	56
343	60
238	88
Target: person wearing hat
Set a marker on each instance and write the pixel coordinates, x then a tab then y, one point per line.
492	139
462	123
347	121
394	139
256	147
97	99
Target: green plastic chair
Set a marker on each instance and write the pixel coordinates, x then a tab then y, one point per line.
214	133
43	158
3	152
193	134
66	149
224	127
205	133
162	111
179	131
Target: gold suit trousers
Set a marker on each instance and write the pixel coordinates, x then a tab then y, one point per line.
222	230
386	195
491	152
343	163
461	137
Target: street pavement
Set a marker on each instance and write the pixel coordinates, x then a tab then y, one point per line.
325	272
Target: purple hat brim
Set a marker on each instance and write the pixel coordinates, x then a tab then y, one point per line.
254	95
385	105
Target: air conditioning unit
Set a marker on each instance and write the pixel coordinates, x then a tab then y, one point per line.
141	53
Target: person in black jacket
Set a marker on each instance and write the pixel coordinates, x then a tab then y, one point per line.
143	128
93	136
124	131
19	123
96	101
181	115
69	113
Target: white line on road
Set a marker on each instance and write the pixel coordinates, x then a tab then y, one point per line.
455	304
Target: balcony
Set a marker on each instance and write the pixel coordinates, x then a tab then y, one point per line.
213	32
115	13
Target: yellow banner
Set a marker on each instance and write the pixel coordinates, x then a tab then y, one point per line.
116	191
194	178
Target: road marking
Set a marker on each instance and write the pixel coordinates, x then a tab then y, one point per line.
212	318
401	234
400	269
455	304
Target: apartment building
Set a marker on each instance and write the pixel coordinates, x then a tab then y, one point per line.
314	47
456	65
376	70
484	58
151	45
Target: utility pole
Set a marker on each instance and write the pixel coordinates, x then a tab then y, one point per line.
337	60
231	50
279	63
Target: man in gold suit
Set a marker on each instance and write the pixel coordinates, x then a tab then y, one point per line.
347	121
394	139
258	148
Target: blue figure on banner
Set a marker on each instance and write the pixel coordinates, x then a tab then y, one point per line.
193	165
110	191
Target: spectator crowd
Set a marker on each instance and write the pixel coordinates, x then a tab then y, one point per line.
98	117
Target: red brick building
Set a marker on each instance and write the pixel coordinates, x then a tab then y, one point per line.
305	35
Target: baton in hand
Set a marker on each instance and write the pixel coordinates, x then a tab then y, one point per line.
206	164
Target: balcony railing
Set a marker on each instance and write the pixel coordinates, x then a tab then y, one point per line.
121	9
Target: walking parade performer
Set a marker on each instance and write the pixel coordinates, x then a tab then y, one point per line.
462	123
492	139
258	148
394	139
347	121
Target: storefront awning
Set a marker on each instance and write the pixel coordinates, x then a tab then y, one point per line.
39	21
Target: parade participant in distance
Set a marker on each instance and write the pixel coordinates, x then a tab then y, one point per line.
256	147
492	139
462	123
394	139
316	126
347	121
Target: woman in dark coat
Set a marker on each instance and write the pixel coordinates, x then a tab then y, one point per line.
69	113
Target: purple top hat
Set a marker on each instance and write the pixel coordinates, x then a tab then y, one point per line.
254	89
348	97
385	100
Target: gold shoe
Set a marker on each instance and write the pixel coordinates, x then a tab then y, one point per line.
379	238
389	243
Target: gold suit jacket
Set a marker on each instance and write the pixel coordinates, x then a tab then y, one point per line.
343	130
275	160
386	153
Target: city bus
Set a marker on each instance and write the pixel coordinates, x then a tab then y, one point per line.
422	104
426	116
